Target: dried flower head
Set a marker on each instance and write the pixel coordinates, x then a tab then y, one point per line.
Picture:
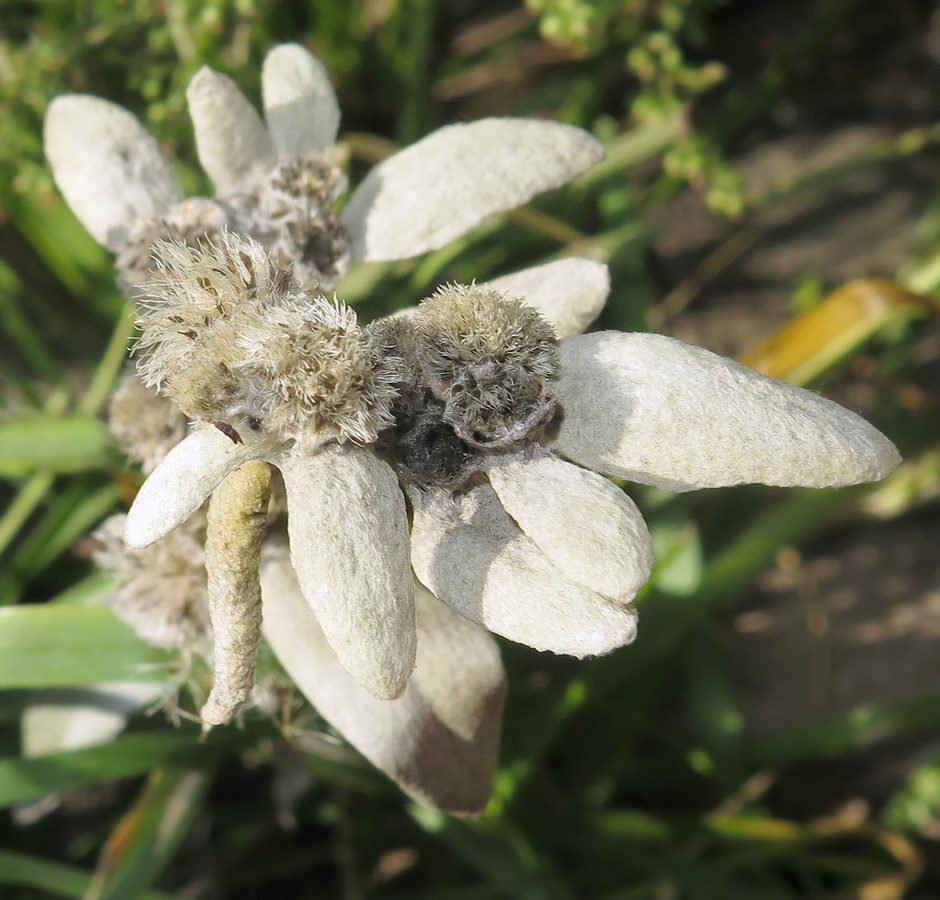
291	213
228	335
478	378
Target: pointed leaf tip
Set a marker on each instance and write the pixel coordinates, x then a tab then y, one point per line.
299	102
191	471
233	145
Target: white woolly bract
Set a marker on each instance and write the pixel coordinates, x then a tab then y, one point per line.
652	409
229	336
472	555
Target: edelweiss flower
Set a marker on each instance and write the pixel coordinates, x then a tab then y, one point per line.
470	406
278	183
500	436
274	375
486	411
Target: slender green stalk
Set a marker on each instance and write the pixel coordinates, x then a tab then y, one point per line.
419	15
633	147
29	496
107	371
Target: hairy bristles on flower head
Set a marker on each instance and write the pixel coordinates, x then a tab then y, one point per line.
197	286
290	213
228	335
191	222
162	594
490	359
144	425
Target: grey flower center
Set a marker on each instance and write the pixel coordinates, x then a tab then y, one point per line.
480	368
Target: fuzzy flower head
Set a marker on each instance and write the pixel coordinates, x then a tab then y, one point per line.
489	359
229	336
273	376
479	368
278	180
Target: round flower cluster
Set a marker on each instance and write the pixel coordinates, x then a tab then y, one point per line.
228	335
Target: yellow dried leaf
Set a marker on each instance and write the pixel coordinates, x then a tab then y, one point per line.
815	340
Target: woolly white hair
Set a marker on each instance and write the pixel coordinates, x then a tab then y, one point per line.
230	337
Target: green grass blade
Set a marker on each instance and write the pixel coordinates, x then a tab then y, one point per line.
148	835
125	757
110	366
55	443
69	646
24	870
30	495
20	330
69	517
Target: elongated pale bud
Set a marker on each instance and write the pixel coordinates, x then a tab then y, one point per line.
236	523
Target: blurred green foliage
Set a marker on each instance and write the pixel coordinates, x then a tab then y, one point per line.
628	777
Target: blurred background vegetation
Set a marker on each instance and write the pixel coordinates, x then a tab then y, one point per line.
772	192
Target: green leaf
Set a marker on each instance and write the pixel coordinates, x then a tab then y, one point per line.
148	835
32	871
61	443
69	646
124	757
70	515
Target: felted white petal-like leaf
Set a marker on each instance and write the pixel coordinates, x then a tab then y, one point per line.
234	147
109	168
348	532
447	183
472	555
589	528
439	741
58	720
655	410
569	293
299	102
173	491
